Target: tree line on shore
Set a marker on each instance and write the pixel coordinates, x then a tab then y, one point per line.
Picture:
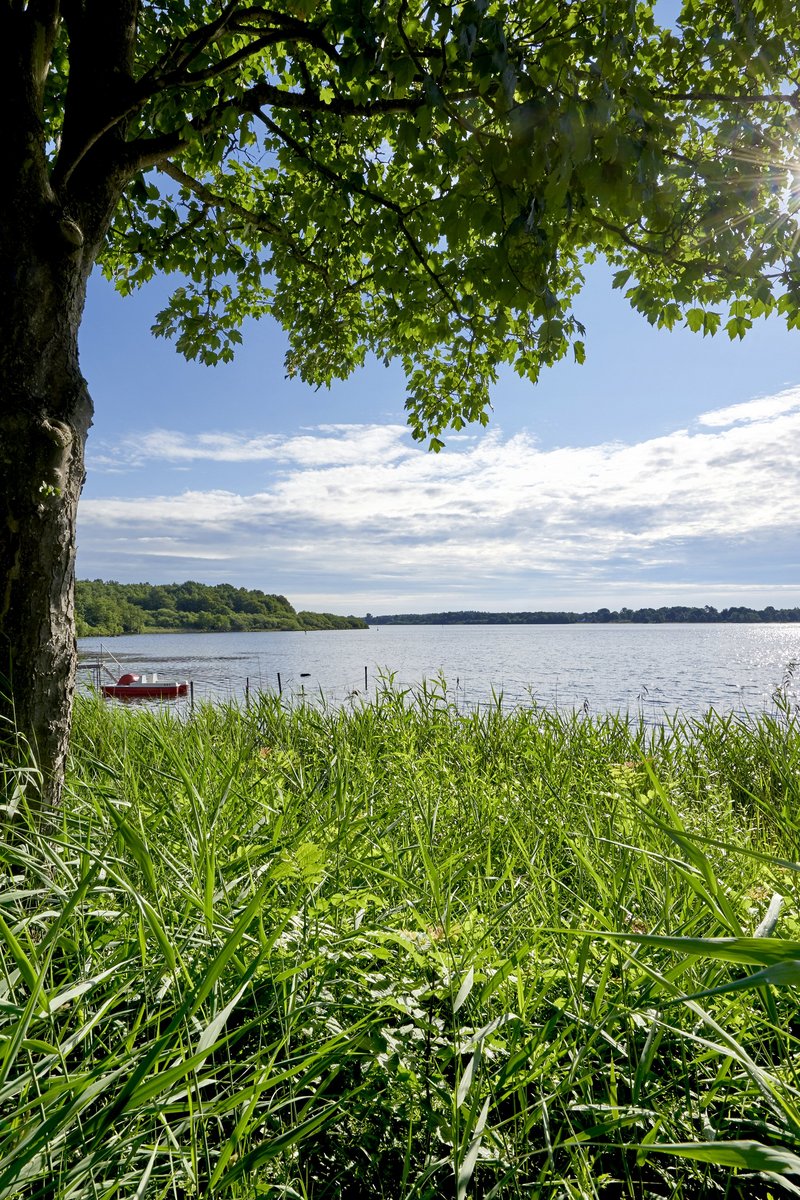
602	616
104	609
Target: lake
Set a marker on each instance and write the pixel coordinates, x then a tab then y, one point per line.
650	669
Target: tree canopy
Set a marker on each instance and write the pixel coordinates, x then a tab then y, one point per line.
427	182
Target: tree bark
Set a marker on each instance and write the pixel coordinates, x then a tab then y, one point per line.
54	216
45	414
41	474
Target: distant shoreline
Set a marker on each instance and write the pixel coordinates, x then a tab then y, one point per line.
109	609
667	615
188	630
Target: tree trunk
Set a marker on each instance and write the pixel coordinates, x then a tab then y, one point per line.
56	205
45	414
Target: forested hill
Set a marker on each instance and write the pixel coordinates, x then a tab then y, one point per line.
104	609
603	616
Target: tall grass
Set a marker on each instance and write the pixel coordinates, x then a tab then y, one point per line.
395	951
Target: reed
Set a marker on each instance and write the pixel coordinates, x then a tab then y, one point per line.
398	951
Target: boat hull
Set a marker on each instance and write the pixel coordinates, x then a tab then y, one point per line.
145	691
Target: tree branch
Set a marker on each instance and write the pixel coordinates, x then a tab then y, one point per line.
215	200
102	35
340	106
260	221
150	152
329	174
153	83
45	14
185	48
724	98
40	20
296	29
147	152
215	70
711	268
280	28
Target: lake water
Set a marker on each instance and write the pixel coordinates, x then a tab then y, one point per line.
628	668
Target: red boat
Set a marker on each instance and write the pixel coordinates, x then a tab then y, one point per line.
132	687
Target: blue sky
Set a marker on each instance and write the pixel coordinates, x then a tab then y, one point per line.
662	471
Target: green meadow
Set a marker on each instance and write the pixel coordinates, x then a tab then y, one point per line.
400	951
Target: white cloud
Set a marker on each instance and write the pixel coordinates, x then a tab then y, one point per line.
761	409
326	444
366	507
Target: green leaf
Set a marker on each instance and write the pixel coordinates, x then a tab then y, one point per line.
464	990
747	1156
467	1166
746	950
782	974
24	965
133	841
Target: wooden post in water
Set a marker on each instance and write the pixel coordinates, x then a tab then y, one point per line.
280	689
366	682
247	692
